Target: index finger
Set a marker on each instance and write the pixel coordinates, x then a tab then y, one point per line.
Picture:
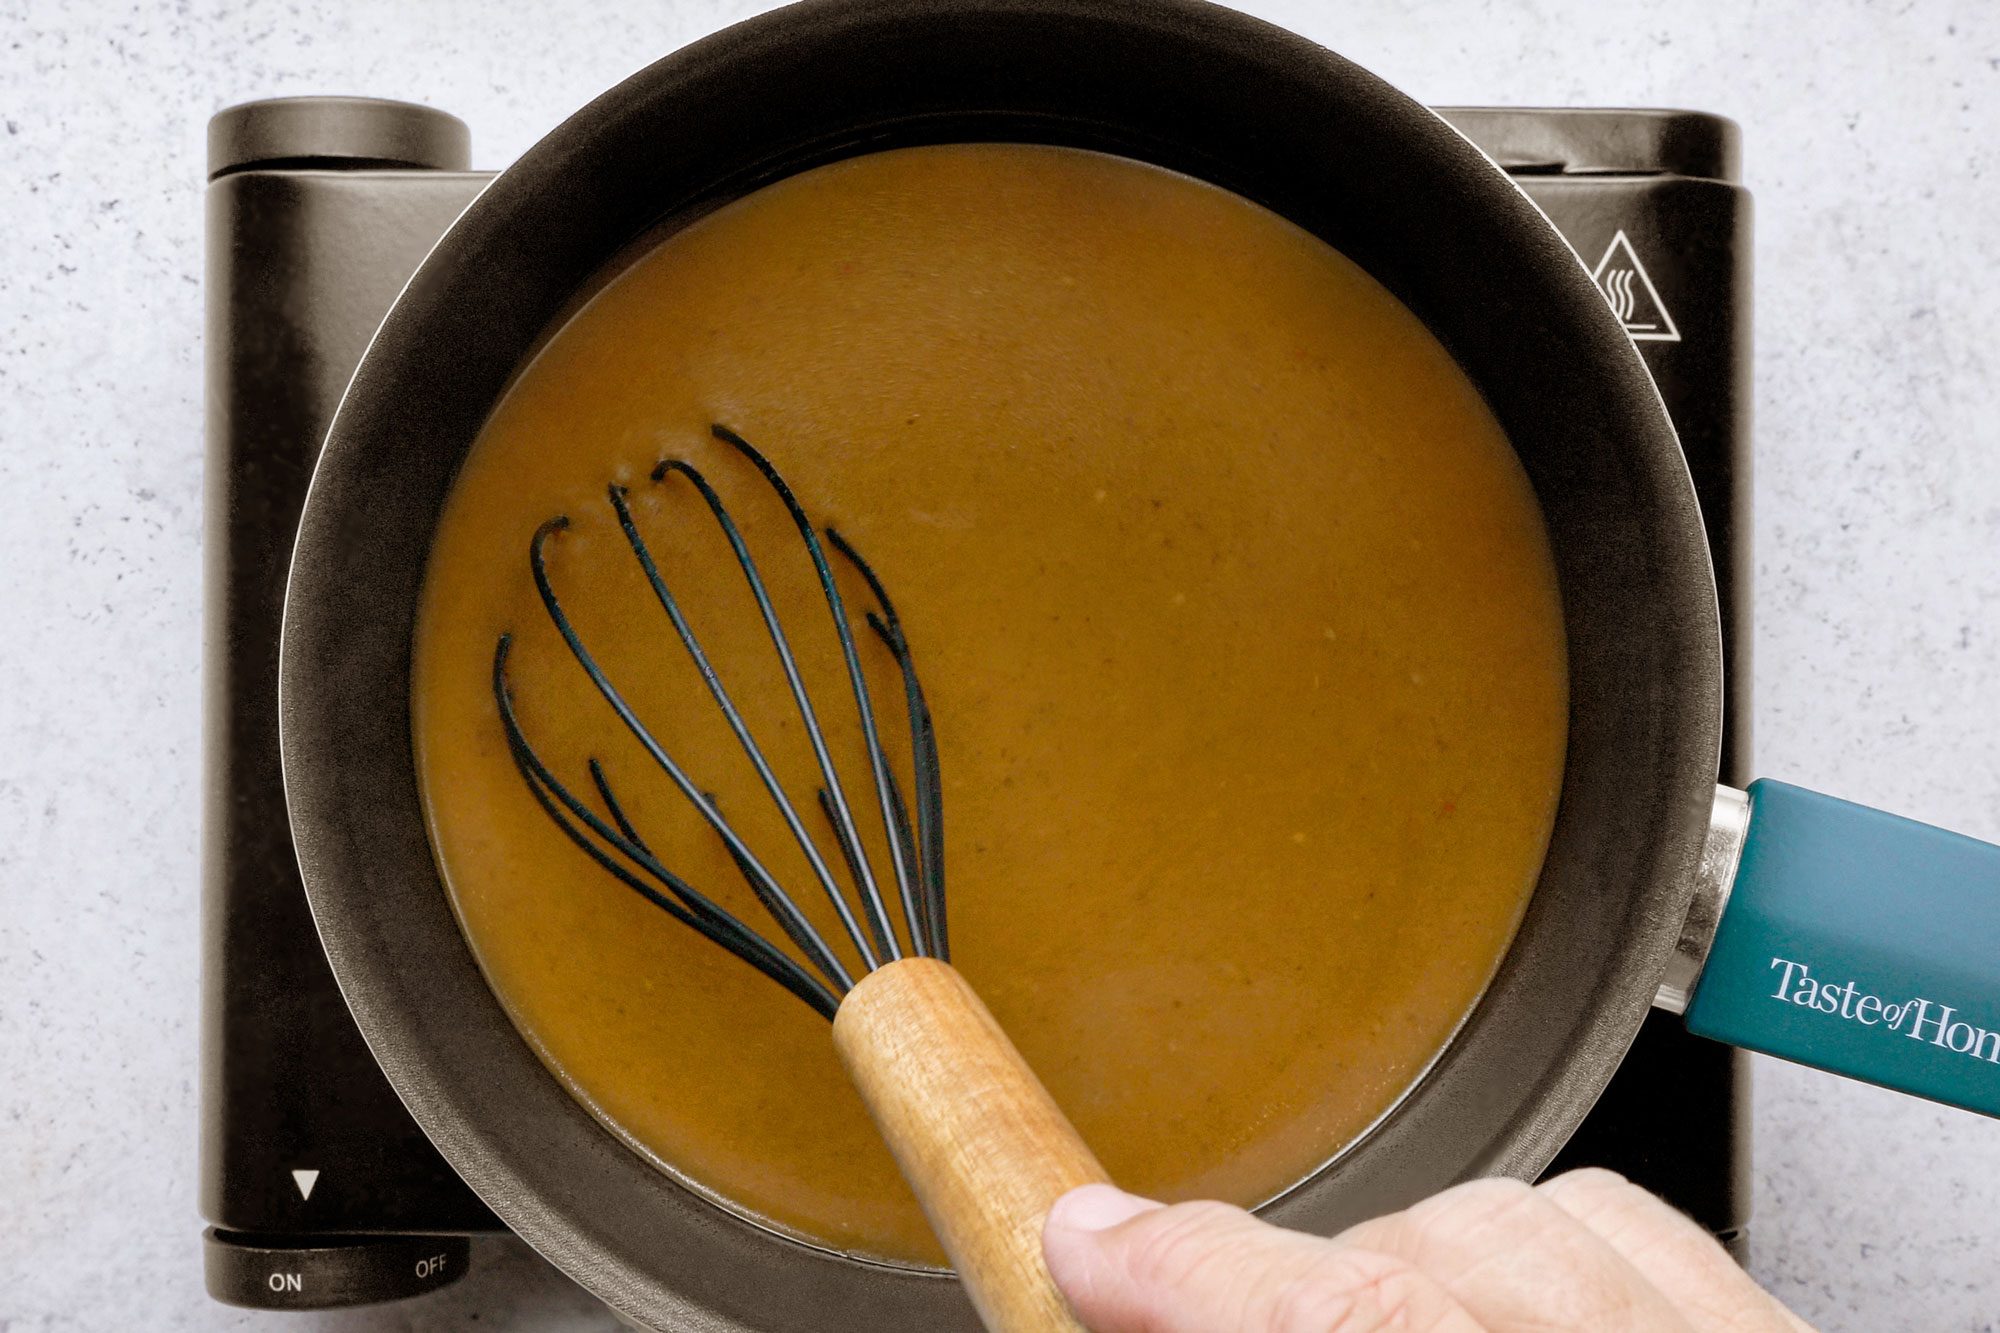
1519	1263
1211	1268
1679	1257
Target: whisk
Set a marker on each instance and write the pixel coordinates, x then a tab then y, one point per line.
984	1147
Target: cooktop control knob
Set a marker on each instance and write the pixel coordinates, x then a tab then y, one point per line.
325	1272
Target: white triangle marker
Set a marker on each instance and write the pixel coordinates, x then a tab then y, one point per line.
1629	289
305	1180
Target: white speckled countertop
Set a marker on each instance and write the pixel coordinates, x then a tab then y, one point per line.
1870	144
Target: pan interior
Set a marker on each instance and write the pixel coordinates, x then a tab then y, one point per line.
1235	607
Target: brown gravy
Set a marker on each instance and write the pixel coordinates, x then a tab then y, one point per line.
1234	607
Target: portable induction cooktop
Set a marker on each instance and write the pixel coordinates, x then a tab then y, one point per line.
320	1188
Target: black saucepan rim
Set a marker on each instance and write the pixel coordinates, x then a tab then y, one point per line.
1189	86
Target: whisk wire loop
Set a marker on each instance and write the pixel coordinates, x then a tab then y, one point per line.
929	843
810	942
915	845
768	889
694	909
755	753
878	762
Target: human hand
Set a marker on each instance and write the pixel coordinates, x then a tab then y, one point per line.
1586	1252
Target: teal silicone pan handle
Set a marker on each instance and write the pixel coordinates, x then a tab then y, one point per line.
1863	943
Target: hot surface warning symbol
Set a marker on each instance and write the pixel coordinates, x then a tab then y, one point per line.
1634	299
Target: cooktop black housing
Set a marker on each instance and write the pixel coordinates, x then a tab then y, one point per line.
320	1188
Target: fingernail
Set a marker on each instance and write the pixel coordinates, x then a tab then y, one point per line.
1098	1208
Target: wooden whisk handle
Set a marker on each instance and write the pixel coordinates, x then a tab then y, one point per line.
980	1140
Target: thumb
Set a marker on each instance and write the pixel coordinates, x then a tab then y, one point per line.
1128	1265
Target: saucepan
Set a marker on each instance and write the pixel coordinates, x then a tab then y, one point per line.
1782	920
